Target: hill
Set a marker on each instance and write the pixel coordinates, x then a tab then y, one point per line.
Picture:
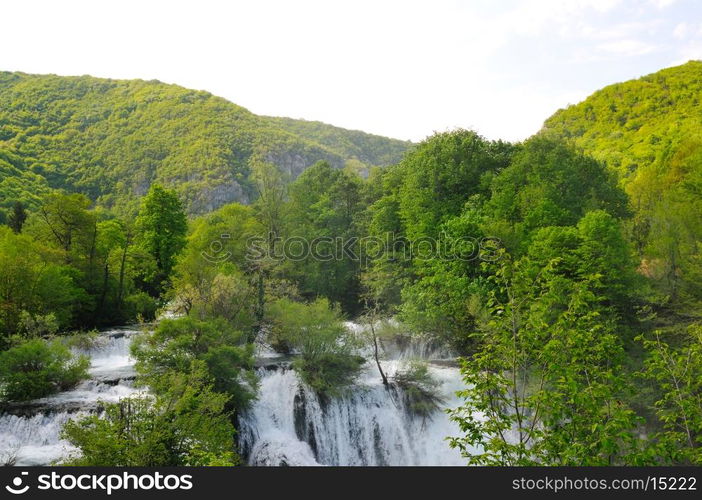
111	139
636	123
650	131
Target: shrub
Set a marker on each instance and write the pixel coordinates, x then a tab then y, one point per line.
177	343
329	374
316	332
140	305
420	389
38	325
38	368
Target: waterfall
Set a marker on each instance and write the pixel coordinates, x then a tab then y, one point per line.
288	424
370	425
30	431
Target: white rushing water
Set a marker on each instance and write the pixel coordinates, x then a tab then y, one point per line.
289	425
34	439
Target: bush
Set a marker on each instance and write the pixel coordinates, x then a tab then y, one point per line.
38	368
37	325
83	341
140	305
329	374
177	343
420	389
317	333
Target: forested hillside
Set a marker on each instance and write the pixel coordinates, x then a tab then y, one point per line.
649	131
111	139
639	122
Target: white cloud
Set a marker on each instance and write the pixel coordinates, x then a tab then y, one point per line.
691	51
681	30
628	48
662	4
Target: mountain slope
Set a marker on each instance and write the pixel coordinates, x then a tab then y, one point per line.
636	123
111	139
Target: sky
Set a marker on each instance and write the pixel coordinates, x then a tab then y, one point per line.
402	69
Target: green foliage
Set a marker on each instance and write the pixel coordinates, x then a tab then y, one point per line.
441	299
677	372
635	123
140	305
24	261
647	131
178	344
547	385
420	389
323	211
329	374
112	139
161	227
38	325
186	425
441	174
365	148
17	217
37	368
549	184
595	250
316	332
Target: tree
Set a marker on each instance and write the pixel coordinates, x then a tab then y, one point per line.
35	281
64	220
441	174
549	184
186	425
17	217
323	209
546	386
677	372
161	226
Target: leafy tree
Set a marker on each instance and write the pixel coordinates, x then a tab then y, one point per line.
324	206
162	227
187	425
678	374
34	281
594	249
64	220
441	174
17	217
546	386
178	344
441	300
326	362
420	389
549	184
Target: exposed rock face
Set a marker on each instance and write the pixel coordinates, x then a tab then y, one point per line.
211	198
294	163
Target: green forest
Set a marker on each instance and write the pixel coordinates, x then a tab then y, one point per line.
565	270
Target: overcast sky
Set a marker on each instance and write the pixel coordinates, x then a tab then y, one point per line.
398	68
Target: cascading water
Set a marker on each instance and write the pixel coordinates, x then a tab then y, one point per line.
371	425
30	432
287	425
